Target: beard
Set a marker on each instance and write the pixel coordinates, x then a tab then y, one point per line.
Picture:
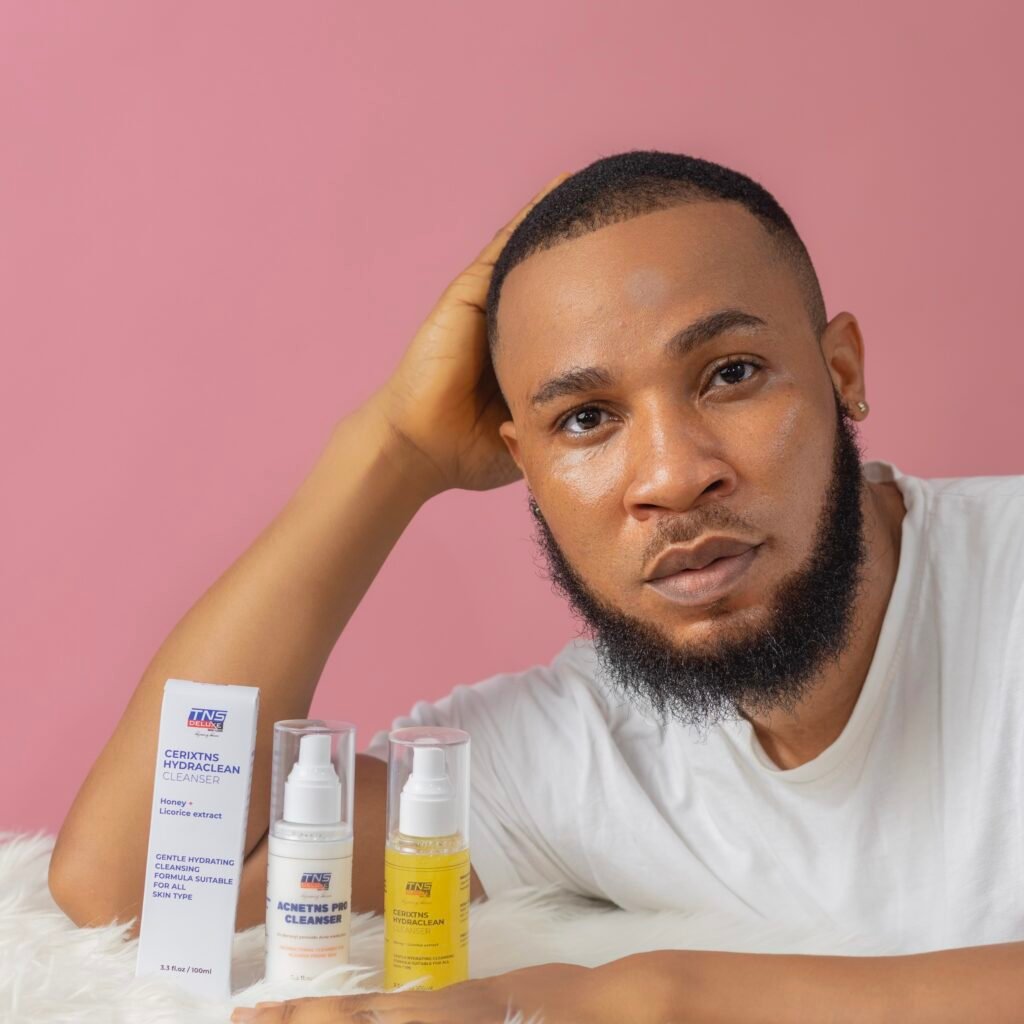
809	621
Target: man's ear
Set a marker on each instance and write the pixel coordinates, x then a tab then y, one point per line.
508	435
842	347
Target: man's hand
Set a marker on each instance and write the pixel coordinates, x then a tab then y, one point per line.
556	993
443	399
948	986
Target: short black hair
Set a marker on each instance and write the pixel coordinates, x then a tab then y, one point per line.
626	185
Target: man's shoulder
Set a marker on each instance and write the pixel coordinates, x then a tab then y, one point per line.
570	676
985	489
991	489
973	530
552	700
987	511
941	504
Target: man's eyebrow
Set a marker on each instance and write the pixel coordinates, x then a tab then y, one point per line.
700	332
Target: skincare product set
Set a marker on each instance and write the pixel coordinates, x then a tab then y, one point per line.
201	790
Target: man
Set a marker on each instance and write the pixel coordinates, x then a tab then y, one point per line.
803	694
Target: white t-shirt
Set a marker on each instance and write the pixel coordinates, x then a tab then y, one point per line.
909	826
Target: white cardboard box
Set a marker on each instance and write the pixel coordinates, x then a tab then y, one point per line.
197	833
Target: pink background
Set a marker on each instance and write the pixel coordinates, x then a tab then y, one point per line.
222	222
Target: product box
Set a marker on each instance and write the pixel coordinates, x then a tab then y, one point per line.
197	834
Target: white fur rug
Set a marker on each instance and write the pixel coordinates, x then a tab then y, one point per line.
51	971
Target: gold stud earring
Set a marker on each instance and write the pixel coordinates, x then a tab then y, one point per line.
862	406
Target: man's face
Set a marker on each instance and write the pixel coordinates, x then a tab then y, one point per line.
632	444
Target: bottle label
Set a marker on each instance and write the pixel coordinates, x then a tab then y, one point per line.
426	918
308	916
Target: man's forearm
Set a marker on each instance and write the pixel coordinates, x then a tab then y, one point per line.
270	620
951	986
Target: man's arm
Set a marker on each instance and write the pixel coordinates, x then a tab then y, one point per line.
270	620
949	986
273	617
952	986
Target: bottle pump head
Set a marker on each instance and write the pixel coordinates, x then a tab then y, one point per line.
312	792
427	804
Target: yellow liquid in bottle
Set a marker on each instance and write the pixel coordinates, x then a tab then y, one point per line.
426	911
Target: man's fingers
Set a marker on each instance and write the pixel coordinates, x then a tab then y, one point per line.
553	183
372	1008
490	251
471	285
307	1010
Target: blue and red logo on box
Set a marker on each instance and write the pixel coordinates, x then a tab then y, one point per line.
320	880
207	719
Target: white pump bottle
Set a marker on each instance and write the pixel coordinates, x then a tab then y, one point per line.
309	866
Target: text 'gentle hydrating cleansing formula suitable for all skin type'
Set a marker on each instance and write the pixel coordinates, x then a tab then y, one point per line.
309	864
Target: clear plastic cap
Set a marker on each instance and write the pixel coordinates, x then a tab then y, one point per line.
311	788
428	782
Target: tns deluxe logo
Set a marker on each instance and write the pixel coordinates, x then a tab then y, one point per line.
207	719
318	880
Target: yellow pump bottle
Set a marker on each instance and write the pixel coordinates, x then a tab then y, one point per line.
426	860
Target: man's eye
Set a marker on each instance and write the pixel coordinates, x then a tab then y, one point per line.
584	420
727	371
729	374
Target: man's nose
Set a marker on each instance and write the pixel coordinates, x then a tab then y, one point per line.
675	459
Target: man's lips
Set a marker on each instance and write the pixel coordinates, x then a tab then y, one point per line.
702	586
695	556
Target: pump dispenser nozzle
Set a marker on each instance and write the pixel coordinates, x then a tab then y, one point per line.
427	805
312	793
